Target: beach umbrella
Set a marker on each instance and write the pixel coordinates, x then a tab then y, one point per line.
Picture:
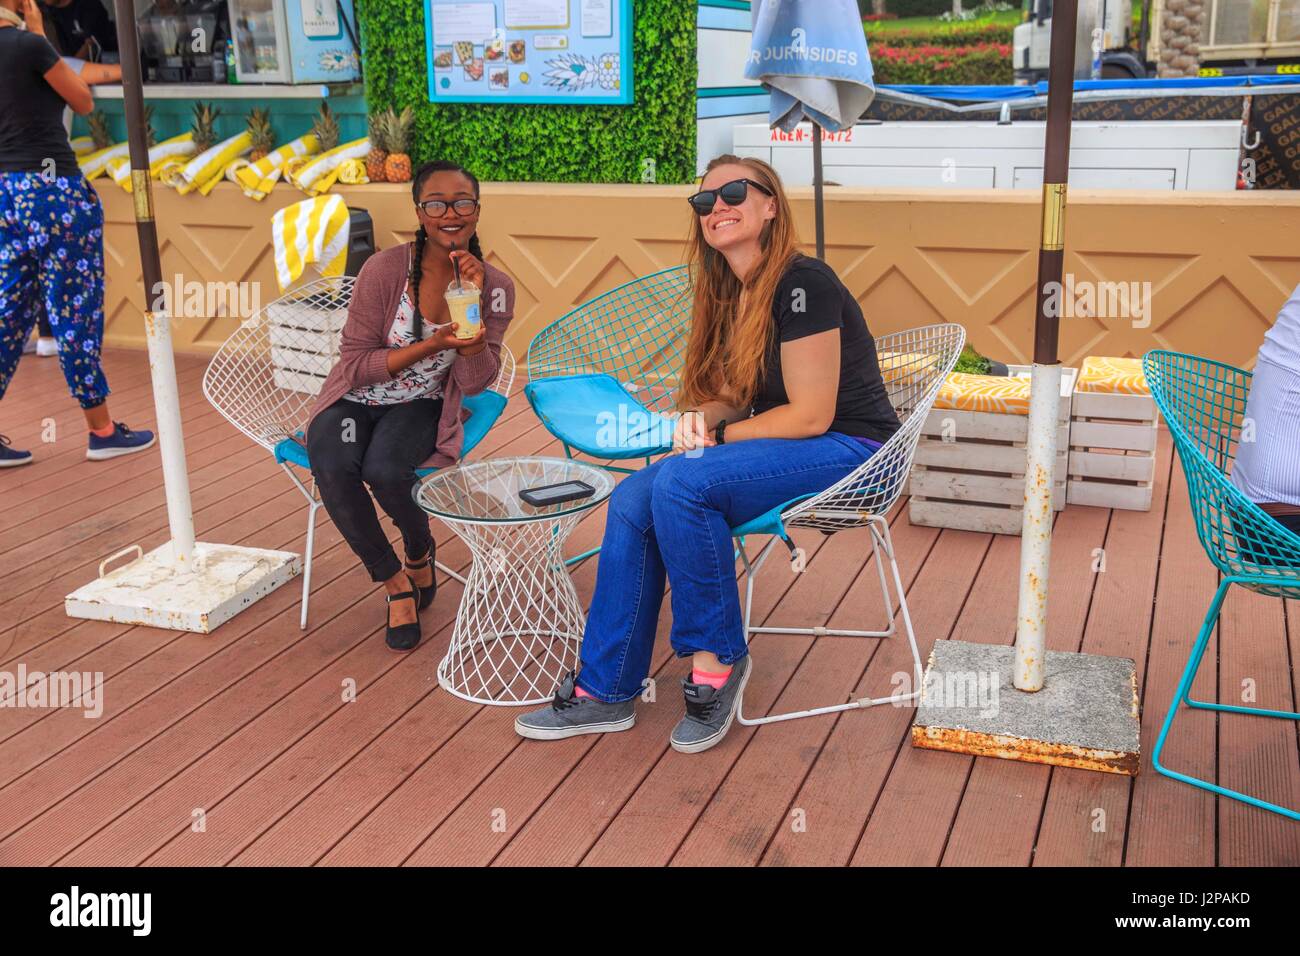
811	55
184	584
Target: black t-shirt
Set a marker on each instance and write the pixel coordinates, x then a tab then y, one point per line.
31	112
79	20
810	299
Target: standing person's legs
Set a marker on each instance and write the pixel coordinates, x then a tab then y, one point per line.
72	277
19	274
19	291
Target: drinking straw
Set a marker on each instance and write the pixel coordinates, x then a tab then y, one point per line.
455	265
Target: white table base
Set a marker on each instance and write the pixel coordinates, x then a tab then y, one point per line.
520	622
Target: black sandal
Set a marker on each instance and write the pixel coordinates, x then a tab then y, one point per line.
427	593
404	637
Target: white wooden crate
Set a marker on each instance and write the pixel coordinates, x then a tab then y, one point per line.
304	344
1112	450
969	471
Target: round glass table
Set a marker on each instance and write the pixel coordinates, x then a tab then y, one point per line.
519	625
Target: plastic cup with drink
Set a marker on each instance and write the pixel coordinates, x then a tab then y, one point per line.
463	302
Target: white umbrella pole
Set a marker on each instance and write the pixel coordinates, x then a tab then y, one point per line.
1036	527
171	440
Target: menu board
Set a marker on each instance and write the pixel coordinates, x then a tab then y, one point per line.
529	51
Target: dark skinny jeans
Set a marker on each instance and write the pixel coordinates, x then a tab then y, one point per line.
352	445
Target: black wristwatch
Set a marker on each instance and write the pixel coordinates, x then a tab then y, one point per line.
719	432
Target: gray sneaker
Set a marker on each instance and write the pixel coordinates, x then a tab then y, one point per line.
569	716
709	712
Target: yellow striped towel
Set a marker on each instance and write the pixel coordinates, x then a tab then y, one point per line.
207	168
175	148
319	173
82	145
97	162
257	179
312	231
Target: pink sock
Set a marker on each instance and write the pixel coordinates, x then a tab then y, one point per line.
713	680
104	432
579	692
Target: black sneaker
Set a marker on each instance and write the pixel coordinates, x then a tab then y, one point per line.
709	711
569	715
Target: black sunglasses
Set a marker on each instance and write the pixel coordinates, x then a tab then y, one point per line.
436	208
732	193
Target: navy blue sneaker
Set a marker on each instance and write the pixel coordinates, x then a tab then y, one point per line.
123	441
12	457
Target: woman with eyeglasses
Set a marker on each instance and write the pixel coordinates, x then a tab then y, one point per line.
782	397
392	404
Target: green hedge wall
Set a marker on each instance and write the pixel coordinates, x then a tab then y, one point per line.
548	143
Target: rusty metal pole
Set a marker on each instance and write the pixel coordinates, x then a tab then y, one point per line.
1036	529
162	361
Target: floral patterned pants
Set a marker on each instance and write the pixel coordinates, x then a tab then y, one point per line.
52	263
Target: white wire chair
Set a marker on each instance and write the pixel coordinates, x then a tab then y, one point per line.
913	365
265	378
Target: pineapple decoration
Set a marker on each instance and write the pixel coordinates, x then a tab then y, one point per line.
378	150
98	124
150	136
326	129
397	137
204	129
263	137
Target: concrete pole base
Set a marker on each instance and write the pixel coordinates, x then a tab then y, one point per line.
224	579
1085	716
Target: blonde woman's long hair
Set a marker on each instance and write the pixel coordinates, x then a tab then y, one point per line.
726	354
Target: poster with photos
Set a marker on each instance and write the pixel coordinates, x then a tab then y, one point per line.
529	51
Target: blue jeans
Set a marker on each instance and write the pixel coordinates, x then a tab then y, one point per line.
673	519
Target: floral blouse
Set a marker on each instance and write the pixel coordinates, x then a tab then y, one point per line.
424	379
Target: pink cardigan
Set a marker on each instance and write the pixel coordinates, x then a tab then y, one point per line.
363	349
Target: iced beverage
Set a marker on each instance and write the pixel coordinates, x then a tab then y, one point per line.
465	308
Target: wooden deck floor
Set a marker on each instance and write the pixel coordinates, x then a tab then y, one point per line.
249	728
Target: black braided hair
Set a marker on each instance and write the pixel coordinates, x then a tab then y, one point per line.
421	237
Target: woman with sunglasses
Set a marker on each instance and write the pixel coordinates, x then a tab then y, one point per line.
782	397
392	404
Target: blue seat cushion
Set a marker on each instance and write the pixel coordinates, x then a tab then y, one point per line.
769	522
596	415
484	409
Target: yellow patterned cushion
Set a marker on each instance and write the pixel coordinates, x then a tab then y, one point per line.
1006	395
1112	376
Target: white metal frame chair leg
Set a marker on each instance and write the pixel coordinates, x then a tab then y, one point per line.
880	541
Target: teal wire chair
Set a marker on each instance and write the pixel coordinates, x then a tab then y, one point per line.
1204	404
603	378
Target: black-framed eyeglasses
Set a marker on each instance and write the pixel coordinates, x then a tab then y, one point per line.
732	193
436	208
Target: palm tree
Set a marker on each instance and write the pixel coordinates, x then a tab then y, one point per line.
1181	30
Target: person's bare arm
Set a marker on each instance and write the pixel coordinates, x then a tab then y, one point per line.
810	367
73	89
96	73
